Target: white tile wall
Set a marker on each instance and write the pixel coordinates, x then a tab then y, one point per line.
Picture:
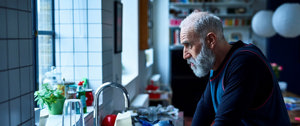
25	107
14	83
68	73
24	53
67	59
16	64
57	14
3	54
95	30
15	112
95	59
94	4
4	85
23	24
4	114
80	30
95	73
57	59
66	4
66	16
3	23
80	59
80	16
66	30
13	53
80	4
66	45
80	44
12	23
25	80
80	72
95	44
94	16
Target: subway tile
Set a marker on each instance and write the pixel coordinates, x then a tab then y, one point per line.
95	44
68	73
95	73
15	112
4	114
66	45
4	85
67	59
107	43
31	80
3	55
3	3
25	80
57	45
23	24
26	107
95	30
80	30
24	52
56	4
80	73
66	16
80	59
56	17
80	4
80	44
14	83
94	4
66	4
66	30
3	33
22	4
13	53
80	16
95	59
29	32
12	4
94	16
12	24
57	59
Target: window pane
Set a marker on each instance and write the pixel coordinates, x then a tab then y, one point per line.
45	54
44	15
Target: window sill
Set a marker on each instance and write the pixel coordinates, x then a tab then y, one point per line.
128	78
56	120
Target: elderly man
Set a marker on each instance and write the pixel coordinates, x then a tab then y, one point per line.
242	89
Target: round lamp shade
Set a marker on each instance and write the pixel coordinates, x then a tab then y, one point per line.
286	20
262	23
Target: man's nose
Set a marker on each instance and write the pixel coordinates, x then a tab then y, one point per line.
186	54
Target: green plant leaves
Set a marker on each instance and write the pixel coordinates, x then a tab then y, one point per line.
47	96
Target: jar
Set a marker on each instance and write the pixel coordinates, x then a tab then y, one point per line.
89	97
71	92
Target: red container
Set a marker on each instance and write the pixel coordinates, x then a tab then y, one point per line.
89	97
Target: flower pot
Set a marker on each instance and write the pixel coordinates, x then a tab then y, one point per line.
57	107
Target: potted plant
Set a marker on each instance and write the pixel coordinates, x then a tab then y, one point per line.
54	99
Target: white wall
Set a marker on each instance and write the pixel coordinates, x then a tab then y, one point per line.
161	39
16	63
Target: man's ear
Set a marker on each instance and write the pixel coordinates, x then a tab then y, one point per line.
211	39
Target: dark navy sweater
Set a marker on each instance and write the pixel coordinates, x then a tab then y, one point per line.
243	91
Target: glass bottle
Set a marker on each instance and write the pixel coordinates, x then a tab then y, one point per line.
81	95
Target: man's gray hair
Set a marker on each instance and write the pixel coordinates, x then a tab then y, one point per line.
203	23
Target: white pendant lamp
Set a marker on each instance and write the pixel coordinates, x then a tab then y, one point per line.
286	20
262	23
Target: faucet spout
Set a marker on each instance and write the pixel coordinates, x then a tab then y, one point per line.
98	92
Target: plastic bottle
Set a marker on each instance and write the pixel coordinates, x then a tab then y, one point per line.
81	95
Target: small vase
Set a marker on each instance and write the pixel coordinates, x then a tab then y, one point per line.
56	108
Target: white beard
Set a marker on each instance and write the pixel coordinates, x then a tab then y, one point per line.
203	63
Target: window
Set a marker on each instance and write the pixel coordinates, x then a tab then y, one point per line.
44	37
130	41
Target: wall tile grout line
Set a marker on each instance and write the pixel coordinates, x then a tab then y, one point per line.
87	41
9	8
8	80
11	99
14	68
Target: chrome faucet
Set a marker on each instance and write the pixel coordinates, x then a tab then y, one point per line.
98	92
